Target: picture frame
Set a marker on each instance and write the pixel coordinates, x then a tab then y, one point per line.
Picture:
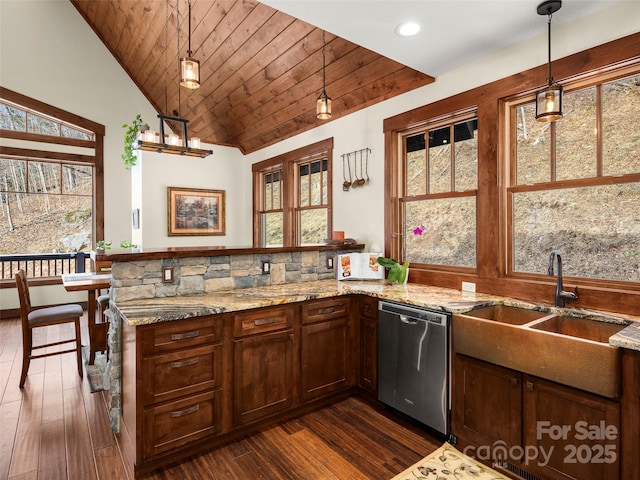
195	211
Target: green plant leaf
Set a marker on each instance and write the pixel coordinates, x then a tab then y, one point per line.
387	262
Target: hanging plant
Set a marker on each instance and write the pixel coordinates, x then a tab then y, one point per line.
131	132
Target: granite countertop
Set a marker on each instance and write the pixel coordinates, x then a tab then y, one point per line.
148	311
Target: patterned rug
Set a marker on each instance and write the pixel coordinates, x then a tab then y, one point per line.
94	372
448	463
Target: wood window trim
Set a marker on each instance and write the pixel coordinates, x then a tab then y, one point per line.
288	193
98	146
490	100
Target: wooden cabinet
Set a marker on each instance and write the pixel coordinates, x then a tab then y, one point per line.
262	363
191	384
368	344
579	429
325	348
487	403
180	383
573	433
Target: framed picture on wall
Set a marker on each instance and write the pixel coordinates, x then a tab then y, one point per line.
195	211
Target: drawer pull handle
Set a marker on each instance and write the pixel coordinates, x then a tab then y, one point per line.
185	363
186	411
265	321
185	335
326	310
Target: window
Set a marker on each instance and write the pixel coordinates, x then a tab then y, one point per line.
574	185
47	206
272	220
51	198
438	206
292	203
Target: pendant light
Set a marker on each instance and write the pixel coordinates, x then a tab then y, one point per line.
323	105
161	142
549	100
189	66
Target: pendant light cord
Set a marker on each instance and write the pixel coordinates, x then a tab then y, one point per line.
549	77
189	54
179	69
324	44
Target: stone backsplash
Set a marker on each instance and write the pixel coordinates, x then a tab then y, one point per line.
141	279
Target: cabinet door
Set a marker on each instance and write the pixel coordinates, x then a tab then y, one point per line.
263	376
487	403
579	429
369	344
326	358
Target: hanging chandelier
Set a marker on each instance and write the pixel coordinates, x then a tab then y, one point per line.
549	100
189	66
153	141
323	105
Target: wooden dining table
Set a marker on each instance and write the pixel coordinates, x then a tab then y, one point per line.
91	283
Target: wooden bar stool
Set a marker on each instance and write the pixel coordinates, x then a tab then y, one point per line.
43	317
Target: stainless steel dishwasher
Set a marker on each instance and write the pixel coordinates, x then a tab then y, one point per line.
413	362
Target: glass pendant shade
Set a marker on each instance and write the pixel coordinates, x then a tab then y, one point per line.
189	72
549	103
323	106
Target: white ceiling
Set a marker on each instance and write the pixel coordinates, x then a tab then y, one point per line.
454	32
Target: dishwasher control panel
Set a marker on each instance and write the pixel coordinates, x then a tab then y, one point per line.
415	312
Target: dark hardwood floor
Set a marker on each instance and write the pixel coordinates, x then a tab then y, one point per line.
56	429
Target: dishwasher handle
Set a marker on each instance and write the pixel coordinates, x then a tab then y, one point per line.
408	320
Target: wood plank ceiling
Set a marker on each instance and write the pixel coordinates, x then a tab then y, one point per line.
261	70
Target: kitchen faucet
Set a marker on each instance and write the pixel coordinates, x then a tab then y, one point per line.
561	295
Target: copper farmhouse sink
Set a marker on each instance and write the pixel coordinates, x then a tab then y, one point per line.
569	350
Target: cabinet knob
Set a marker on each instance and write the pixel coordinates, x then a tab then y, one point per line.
514	381
530	386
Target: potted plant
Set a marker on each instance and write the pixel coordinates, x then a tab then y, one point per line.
398	272
131	132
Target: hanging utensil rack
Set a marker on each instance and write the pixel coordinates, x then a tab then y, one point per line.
360	164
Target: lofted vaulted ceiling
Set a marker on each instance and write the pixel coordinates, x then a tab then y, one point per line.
261	69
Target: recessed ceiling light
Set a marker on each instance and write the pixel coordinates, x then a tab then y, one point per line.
407	29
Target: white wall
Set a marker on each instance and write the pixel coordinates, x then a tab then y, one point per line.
48	52
224	170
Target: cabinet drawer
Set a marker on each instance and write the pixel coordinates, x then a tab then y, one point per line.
178	423
175	374
368	307
320	310
165	337
262	320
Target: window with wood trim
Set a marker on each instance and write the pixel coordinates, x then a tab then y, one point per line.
271	213
574	185
438	203
51	195
292	197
